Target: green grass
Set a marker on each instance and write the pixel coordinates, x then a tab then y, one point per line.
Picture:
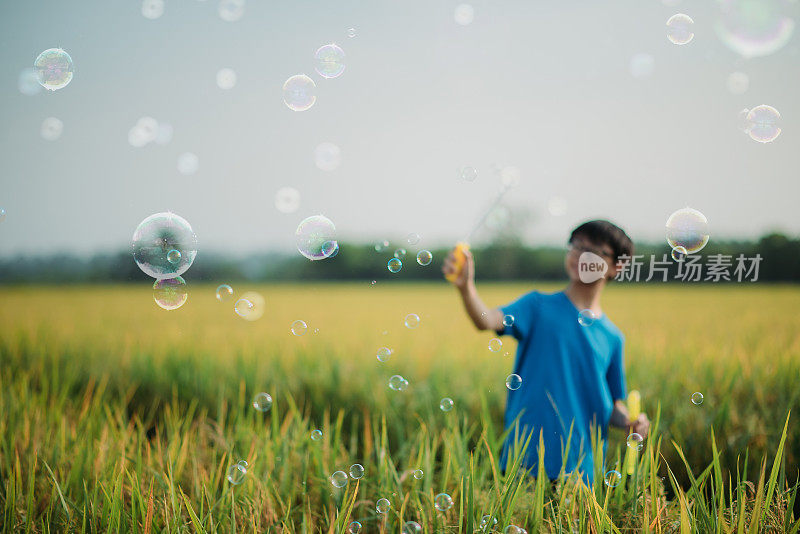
118	416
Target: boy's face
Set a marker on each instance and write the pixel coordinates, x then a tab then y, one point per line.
578	246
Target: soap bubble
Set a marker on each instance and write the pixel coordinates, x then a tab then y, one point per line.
155	237
174	256
412	527
613	478
226	78
487	522
412	238
443	502
170	293
400	253
330	249
635	441
351	32
687	228
356	471
424	257
327	156
412	320
251	306
680	29
339	479
382	506
28	82
224	292
464	14
697	398
316	435
467	174
754	28
312	233
419	474
513	382
287	200
231	10
299	92
354	528
243	463
398	383
446	404
762	124
152	9
236	474
678	253
53	69
51	129
383	354
586	317
738	83
188	163
642	65
508	320
394	265
243	307
380	246
299	327
262	402
514	529
495	344
330	61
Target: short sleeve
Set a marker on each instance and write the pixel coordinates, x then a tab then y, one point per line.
615	375
524	310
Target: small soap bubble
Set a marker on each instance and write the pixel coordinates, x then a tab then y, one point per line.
174	256
412	238
224	292
508	320
383	506
738	83
467	174
243	307
236	474
262	402
327	156
354	528
287	200
231	10
513	382
152	9
697	398
243	463
53	69
687	228
513	529
312	234
635	441
170	293
412	320
398	383
316	435
316	331
443	502
250	306
412	527
226	78
188	163
487	523
763	124
495	344
613	478
329	61
446	404
678	253
330	249
356	471
400	253
680	29
424	257
51	129
586	317
299	92
373	282
464	14
299	327
339	479
351	32
383	354
394	265
419	474
380	246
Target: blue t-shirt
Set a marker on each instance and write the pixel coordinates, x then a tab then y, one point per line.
571	375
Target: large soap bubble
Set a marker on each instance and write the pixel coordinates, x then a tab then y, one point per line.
330	61
53	69
754	28
156	238
299	92
687	228
315	236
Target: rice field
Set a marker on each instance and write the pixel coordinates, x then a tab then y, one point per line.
118	416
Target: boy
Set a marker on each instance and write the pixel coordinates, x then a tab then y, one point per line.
572	373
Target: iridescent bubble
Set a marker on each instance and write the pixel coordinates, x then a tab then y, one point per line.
487	522
513	529
400	253
678	253
316	435
170	293
299	92
51	129
464	14
687	228
224	292
467	174
446	404
251	306
226	78
28	82
188	163
330	249
383	354
356	471
394	265
152	9
262	402
236	474
443	502
697	398
738	83
231	10
754	28
763	124
680	29
383	506
53	69
513	382
508	320
586	317
412	527
312	233
351	32
243	463
243	308
419	474
495	344
373	282
299	327
411	320
424	257
635	441
612	478
155	237
339	479
398	383
327	156
642	65
287	200
354	528
412	238
174	256
330	61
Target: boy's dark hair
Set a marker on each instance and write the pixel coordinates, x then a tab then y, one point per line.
604	232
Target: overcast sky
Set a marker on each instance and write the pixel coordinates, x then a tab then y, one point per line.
542	85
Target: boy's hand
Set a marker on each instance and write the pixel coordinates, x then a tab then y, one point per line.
467	275
640	425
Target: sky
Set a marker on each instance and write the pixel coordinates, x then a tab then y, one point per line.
544	86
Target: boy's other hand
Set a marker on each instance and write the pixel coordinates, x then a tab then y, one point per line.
467	275
640	425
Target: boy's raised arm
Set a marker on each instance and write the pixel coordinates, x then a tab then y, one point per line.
482	316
